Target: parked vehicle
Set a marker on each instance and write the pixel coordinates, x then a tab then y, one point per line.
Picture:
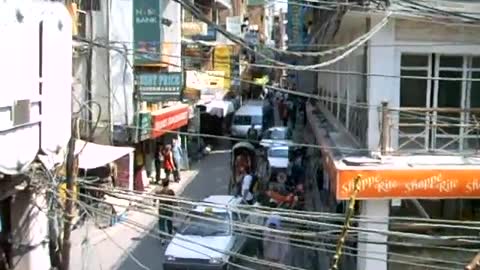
278	157
277	136
201	242
249	114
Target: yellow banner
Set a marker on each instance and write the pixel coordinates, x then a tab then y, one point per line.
222	62
205	80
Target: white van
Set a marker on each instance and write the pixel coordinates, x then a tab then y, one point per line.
249	114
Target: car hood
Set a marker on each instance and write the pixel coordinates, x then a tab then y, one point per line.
278	162
198	247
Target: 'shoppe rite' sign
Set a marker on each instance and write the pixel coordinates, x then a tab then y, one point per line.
155	87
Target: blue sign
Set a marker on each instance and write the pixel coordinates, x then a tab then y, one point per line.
157	87
210	36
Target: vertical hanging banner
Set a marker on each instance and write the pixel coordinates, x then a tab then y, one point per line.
294	25
222	61
146	32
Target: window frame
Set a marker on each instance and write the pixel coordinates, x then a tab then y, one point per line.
433	133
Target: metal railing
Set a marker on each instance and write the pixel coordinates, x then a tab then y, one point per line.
441	130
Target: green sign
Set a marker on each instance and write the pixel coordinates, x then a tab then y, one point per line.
144	125
157	87
146	31
255	2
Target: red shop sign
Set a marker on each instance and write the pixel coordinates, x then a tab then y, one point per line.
169	119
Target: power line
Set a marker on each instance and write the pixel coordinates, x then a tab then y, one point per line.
248	210
327	71
304	246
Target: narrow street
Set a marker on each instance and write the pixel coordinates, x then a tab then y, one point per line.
211	179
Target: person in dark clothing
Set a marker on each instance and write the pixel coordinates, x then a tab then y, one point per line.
304	109
252	134
158	163
293	113
165	211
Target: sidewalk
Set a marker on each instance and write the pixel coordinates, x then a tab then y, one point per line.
96	235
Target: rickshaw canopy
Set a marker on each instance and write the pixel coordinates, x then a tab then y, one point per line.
246	145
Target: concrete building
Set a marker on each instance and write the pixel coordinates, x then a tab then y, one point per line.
35	117
416	154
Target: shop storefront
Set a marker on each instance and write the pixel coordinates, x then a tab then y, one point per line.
154	91
440	187
167	122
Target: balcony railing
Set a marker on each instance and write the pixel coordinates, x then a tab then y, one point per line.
442	130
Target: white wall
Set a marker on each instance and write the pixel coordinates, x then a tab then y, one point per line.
121	71
100	78
172	35
381	60
57	78
30	231
373	256
346	90
19	77
408	37
116	102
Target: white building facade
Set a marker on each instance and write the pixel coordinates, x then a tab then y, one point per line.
35	117
426	115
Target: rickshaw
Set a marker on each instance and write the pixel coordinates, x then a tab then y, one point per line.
243	154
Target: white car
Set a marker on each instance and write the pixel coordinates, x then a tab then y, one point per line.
202	243
277	136
278	157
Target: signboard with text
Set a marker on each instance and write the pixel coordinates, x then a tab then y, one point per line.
158	87
410	183
222	61
211	35
234	25
143	125
146	32
169	119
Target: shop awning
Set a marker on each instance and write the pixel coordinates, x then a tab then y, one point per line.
92	155
220	108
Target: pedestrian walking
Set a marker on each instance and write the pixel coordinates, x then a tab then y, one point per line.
177	152
247	183
169	164
284	112
158	163
293	112
252	134
138	171
165	211
257	220
274	247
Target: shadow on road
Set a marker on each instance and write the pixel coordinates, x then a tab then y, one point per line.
212	179
148	251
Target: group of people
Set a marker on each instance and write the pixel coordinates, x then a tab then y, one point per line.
170	158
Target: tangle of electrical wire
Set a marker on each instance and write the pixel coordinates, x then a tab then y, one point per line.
310	243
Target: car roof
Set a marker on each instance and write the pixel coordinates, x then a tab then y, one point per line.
249	109
279	128
283	147
220	199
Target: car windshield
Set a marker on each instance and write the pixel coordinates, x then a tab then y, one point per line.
202	224
278	153
278	134
246	120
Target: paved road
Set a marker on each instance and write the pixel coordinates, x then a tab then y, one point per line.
211	179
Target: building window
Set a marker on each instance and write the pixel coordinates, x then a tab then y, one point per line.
438	129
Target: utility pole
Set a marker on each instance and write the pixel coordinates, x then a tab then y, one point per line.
348	217
67	225
385	138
